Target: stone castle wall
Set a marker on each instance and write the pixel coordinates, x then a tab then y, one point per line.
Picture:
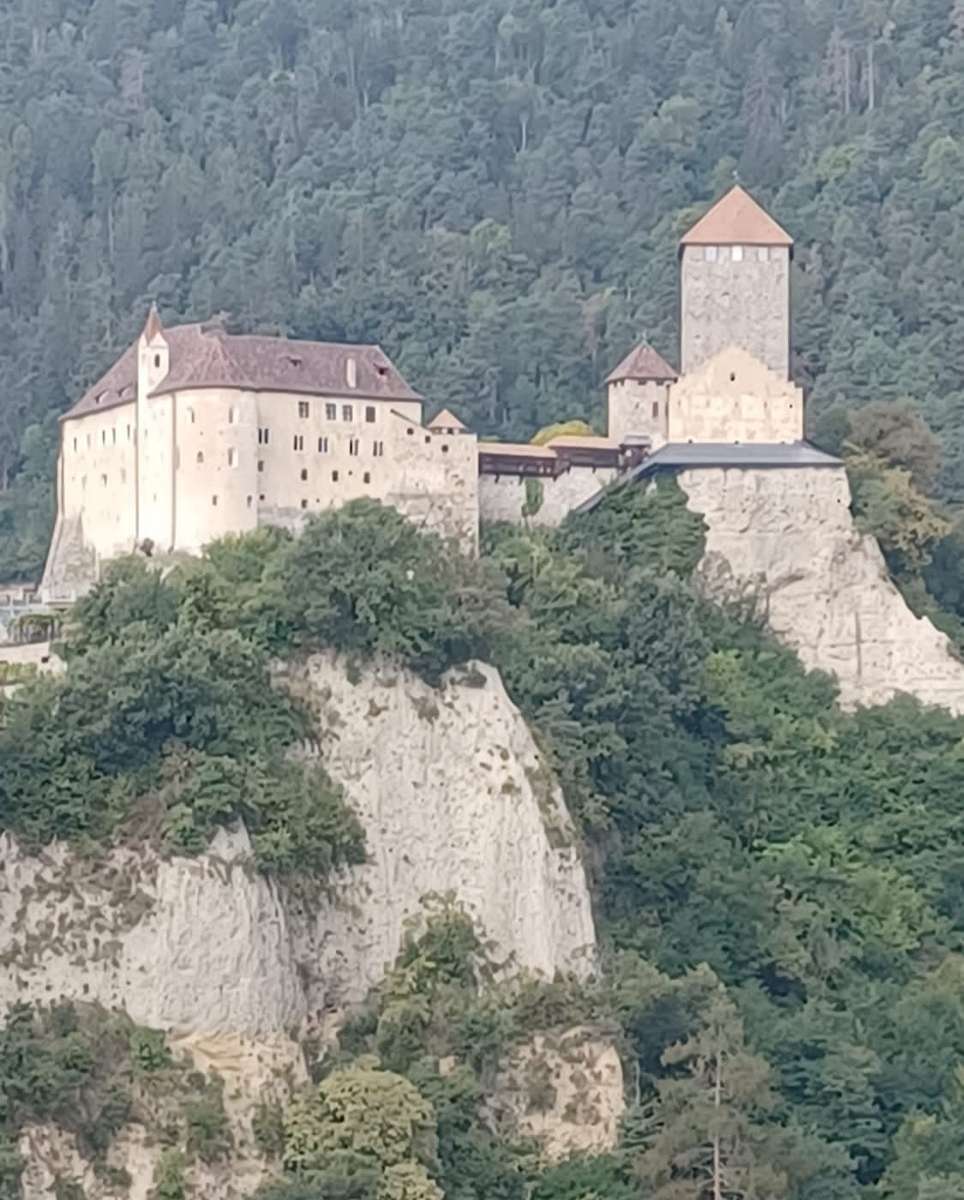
638	408
745	303
735	398
503	497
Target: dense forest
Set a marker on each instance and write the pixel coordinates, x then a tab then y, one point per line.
490	189
777	884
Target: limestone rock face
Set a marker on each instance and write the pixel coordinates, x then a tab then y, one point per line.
564	1090
786	538
454	799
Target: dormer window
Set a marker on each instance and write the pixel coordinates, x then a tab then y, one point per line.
351	373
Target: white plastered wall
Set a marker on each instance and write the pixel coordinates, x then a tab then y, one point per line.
98	477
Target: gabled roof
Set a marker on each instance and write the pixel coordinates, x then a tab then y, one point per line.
445	420
203	356
643	362
736	220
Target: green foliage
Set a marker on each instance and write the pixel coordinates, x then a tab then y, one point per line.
573	428
365	580
169	1181
888	505
535	497
170	723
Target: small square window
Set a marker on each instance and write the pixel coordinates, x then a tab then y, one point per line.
445	449
331	412
346	412
304	474
303	409
261	498
370	414
427	439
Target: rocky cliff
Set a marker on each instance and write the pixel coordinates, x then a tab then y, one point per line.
236	968
786	539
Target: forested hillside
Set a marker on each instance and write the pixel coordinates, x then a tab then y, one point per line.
491	189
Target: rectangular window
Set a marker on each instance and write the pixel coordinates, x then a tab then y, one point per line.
655	409
346	413
103	480
260	464
214	501
367	478
250	501
737	253
763	253
322	445
370	414
75	444
232	458
304	504
113	437
128	433
103	437
334	477
299	441
710	253
304	474
353	445
263	436
351	373
378	449
331	412
303	409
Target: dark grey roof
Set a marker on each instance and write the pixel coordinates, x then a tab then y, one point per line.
693	455
737	454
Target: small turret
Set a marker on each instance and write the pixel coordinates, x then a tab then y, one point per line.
638	399
153	355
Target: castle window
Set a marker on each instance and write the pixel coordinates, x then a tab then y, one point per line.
113	436
409	431
232	457
351	373
103	437
303	409
157	360
299	441
103	480
367	478
346	413
260	464
763	253
331	412
427	439
263	436
214	501
710	253
322	445
232	415
128	433
304	504
334	477
250	501
200	456
190	415
655	409
353	445
304	474
83	482
737	253
445	449
261	498
75	445
123	475
378	449
370	413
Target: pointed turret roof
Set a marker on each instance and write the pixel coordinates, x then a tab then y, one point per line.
736	220
153	328
446	420
642	363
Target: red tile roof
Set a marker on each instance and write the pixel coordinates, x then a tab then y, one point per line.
445	420
642	363
736	220
203	357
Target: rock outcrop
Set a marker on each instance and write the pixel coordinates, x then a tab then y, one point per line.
785	539
454	799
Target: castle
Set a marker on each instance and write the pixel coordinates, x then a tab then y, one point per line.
195	433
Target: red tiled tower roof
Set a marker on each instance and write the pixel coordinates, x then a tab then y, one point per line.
644	363
736	220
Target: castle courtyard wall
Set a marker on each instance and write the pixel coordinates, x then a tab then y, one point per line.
503	497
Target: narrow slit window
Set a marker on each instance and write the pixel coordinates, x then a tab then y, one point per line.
260	465
232	415
299	441
322	445
200	456
214	501
655	409
232	457
353	445
334	477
